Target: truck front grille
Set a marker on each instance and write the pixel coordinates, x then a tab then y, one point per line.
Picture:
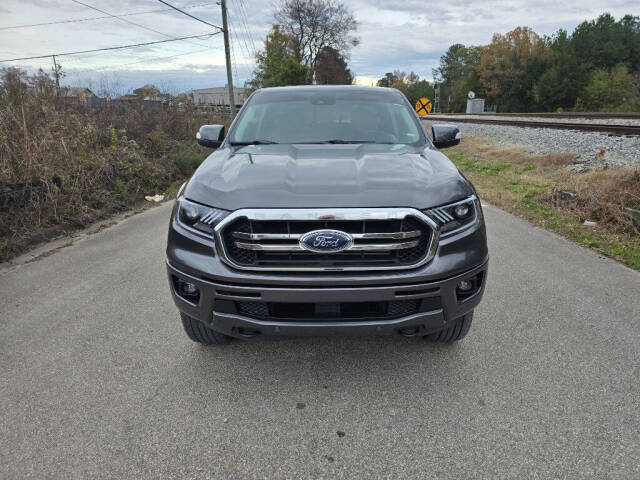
383	242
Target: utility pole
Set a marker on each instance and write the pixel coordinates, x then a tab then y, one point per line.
227	54
56	72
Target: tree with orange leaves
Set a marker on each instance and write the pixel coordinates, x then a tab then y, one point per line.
509	66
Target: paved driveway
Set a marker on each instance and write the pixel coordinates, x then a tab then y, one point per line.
98	380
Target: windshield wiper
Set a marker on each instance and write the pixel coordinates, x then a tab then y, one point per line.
336	141
340	141
254	142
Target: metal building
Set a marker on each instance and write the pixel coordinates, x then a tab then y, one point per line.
475	105
218	96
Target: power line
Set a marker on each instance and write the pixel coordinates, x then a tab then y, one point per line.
111	48
117	17
240	36
189	15
233	56
241	67
99	69
245	21
101	17
92	56
225	31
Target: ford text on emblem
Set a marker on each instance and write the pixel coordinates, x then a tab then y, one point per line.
326	241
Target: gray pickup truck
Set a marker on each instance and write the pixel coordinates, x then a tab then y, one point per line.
326	211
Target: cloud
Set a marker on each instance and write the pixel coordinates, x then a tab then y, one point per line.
404	34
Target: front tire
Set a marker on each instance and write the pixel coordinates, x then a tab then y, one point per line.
457	331
200	333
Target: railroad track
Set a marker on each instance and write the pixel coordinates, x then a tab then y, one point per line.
603	115
632	130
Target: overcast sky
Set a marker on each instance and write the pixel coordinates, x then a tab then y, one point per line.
407	35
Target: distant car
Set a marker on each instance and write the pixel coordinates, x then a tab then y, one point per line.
327	211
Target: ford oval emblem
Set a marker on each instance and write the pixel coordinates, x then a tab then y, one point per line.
326	241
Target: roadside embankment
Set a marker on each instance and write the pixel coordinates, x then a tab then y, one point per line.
65	165
590	150
542	188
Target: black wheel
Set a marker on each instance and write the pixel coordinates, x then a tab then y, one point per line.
457	331
200	333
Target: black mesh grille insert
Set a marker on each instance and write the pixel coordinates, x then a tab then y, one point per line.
344	311
348	258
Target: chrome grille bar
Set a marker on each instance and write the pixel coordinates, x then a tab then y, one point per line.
364	247
252	246
355	236
392	236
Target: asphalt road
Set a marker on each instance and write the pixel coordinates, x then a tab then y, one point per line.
97	379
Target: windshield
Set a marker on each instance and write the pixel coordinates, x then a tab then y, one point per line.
313	116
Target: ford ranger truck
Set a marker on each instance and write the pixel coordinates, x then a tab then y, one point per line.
326	210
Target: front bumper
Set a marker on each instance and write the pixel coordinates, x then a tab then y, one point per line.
195	259
217	305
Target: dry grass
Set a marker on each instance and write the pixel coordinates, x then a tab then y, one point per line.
515	155
65	166
603	195
522	183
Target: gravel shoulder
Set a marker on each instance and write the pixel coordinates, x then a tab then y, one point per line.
592	149
598	121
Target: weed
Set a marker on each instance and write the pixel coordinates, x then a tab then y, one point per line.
171	191
521	183
65	166
186	162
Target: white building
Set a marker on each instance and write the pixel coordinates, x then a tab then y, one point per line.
218	96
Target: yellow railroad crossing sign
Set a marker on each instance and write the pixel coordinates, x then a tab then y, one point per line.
424	107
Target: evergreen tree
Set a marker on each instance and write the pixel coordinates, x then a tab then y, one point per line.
277	65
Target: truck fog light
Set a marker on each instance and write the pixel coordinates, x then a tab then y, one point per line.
465	286
186	290
189	288
461	211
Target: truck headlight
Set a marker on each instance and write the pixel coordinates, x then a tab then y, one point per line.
455	216
200	217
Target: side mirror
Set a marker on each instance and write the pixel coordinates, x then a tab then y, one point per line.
445	135
210	135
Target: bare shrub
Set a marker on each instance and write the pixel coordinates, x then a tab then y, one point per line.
604	194
64	165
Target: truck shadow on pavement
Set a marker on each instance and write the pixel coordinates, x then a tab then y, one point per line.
317	364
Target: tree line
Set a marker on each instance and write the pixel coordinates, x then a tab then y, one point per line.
411	85
594	68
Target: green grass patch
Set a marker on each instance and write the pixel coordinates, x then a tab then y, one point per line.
514	183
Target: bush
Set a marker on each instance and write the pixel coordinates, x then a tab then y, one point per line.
611	91
604	194
64	165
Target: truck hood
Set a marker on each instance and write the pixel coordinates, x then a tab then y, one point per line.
319	176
